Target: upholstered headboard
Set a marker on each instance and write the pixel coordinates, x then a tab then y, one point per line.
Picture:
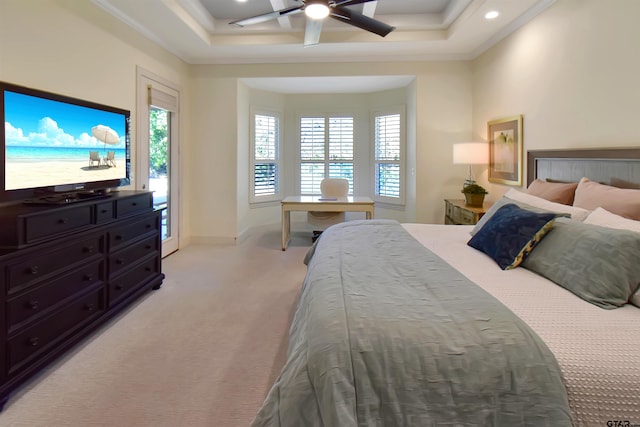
619	167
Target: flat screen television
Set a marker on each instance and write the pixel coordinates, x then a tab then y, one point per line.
58	149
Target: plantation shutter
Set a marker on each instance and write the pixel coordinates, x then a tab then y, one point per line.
326	150
341	149
312	154
265	171
387	155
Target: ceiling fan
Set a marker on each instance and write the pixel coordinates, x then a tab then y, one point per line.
316	11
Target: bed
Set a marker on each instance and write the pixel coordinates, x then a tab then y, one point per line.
406	324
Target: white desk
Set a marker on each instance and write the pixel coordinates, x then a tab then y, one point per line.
314	203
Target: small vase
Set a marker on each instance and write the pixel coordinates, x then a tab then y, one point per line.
475	200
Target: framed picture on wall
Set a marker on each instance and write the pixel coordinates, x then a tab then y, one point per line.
505	150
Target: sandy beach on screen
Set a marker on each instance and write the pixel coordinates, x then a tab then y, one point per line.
38	174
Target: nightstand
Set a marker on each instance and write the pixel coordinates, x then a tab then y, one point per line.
457	212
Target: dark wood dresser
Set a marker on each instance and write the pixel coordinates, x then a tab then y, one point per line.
65	270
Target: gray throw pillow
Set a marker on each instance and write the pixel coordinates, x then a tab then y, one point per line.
598	264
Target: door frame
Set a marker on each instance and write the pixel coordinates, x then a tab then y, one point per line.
144	80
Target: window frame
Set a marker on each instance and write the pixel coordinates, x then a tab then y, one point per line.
327	161
277	195
401	162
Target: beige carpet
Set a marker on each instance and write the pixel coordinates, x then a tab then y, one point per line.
201	351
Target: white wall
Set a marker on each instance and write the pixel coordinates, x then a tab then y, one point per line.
291	106
52	45
440	101
572	73
212	162
242	171
75	49
252	215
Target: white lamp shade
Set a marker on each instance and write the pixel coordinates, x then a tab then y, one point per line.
470	153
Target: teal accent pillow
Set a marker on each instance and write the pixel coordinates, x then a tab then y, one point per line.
511	234
600	265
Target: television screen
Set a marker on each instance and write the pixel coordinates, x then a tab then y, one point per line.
57	143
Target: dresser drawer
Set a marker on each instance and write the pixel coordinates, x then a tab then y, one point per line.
44	264
134	204
132	231
131	280
449	208
104	212
39	227
44	298
40	338
463	216
132	254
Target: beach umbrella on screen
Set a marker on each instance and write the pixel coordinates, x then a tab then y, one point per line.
105	134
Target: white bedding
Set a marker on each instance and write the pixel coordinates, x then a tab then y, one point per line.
598	350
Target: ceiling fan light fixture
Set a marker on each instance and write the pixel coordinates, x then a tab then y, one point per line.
316	10
492	14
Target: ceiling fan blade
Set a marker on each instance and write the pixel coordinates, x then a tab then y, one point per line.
267	16
361	21
350	2
312	32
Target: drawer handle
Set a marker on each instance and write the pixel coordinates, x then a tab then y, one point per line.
88	277
119	287
119	237
33	304
34	270
147	269
104	211
62	221
88	249
134	204
119	261
34	341
148	226
89	307
147	246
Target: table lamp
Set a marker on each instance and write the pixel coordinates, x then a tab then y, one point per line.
470	153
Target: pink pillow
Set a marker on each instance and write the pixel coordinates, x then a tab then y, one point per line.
553	191
591	195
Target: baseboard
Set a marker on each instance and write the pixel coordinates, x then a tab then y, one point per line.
243	235
212	240
296	226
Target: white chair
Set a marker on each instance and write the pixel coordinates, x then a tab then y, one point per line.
94	157
110	160
329	188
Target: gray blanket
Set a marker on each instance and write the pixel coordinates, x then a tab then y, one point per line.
388	334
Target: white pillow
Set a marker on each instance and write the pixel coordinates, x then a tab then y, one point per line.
635	299
576	213
604	218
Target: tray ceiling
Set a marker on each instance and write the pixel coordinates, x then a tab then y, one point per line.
198	31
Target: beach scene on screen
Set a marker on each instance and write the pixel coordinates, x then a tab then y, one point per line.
54	143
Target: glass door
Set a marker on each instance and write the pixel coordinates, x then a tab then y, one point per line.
157	154
159	149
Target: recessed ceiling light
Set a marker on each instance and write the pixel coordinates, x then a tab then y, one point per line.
493	14
241	1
